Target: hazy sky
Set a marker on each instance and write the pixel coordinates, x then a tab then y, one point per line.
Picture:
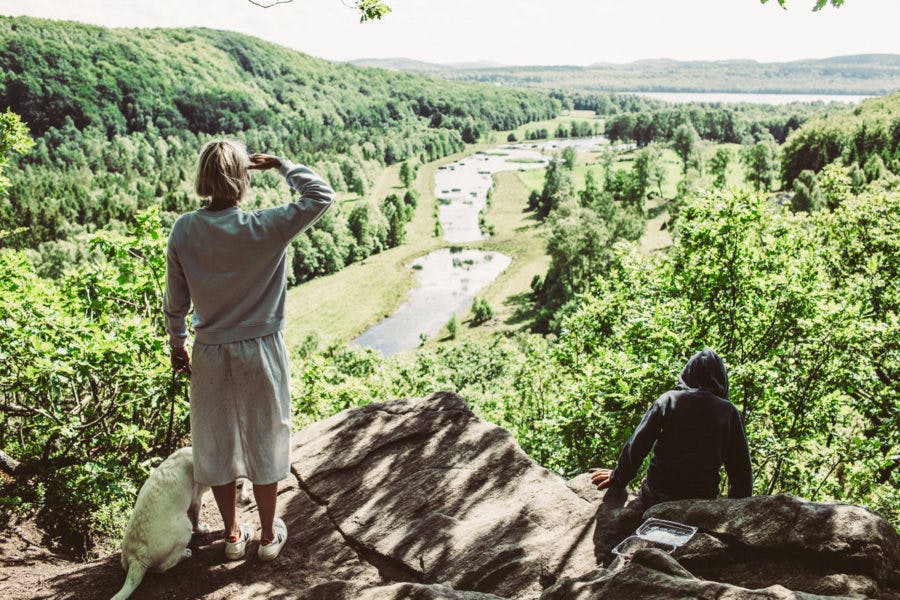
520	31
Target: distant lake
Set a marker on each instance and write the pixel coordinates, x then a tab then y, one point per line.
680	97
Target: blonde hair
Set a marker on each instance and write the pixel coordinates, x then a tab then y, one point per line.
222	170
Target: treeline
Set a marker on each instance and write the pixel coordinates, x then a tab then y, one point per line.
343	237
610	103
118	129
859	74
643	120
739	124
573	129
866	137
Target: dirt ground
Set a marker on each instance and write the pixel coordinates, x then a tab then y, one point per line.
28	569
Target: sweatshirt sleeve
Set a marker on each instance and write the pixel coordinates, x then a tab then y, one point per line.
316	197
737	460
637	447
177	299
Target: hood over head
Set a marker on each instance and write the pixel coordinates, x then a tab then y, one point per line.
705	371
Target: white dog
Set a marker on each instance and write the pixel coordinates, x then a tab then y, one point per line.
165	515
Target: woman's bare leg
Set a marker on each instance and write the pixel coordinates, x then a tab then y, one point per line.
265	503
225	499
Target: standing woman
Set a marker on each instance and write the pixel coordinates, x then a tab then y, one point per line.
232	265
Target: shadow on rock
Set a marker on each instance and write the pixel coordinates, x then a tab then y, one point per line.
418	498
427	492
817	547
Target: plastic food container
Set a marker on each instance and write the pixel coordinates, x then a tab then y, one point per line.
656	533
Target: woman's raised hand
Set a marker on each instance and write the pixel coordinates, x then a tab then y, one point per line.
262	162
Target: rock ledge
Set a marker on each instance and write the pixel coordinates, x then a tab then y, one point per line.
419	498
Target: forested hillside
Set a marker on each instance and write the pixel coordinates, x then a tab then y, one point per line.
855	74
866	136
119	115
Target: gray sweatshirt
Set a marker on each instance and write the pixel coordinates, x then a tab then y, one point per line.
232	264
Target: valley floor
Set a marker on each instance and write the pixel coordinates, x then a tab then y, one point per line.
336	308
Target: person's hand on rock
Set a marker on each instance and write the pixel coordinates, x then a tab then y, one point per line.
601	478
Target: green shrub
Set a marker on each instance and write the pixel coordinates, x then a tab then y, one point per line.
452	327
481	311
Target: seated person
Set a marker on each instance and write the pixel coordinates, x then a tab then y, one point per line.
693	430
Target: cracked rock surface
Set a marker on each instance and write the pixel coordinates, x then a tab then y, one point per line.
818	547
419	498
654	575
437	495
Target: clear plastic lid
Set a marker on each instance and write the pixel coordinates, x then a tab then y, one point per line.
668	533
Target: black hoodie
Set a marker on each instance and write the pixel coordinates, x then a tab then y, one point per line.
696	430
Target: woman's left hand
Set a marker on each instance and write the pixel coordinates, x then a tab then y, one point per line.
181	360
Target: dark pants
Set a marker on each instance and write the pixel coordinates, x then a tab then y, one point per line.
646	498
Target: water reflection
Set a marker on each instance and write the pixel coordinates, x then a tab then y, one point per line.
447	282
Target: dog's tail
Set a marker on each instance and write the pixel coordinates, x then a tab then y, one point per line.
133	579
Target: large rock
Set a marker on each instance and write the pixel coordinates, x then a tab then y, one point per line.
432	494
654	575
818	547
396	591
421	499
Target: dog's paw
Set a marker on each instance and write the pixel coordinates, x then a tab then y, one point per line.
186	554
201	529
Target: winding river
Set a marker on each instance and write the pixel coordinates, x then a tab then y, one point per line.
448	279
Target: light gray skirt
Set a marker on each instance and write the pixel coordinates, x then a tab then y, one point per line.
241	411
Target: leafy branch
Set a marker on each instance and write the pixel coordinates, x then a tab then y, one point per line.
370	10
819	5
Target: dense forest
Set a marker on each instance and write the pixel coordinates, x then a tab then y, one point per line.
858	74
118	116
797	290
866	137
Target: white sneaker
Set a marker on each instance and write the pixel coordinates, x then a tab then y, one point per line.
235	550
270	551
